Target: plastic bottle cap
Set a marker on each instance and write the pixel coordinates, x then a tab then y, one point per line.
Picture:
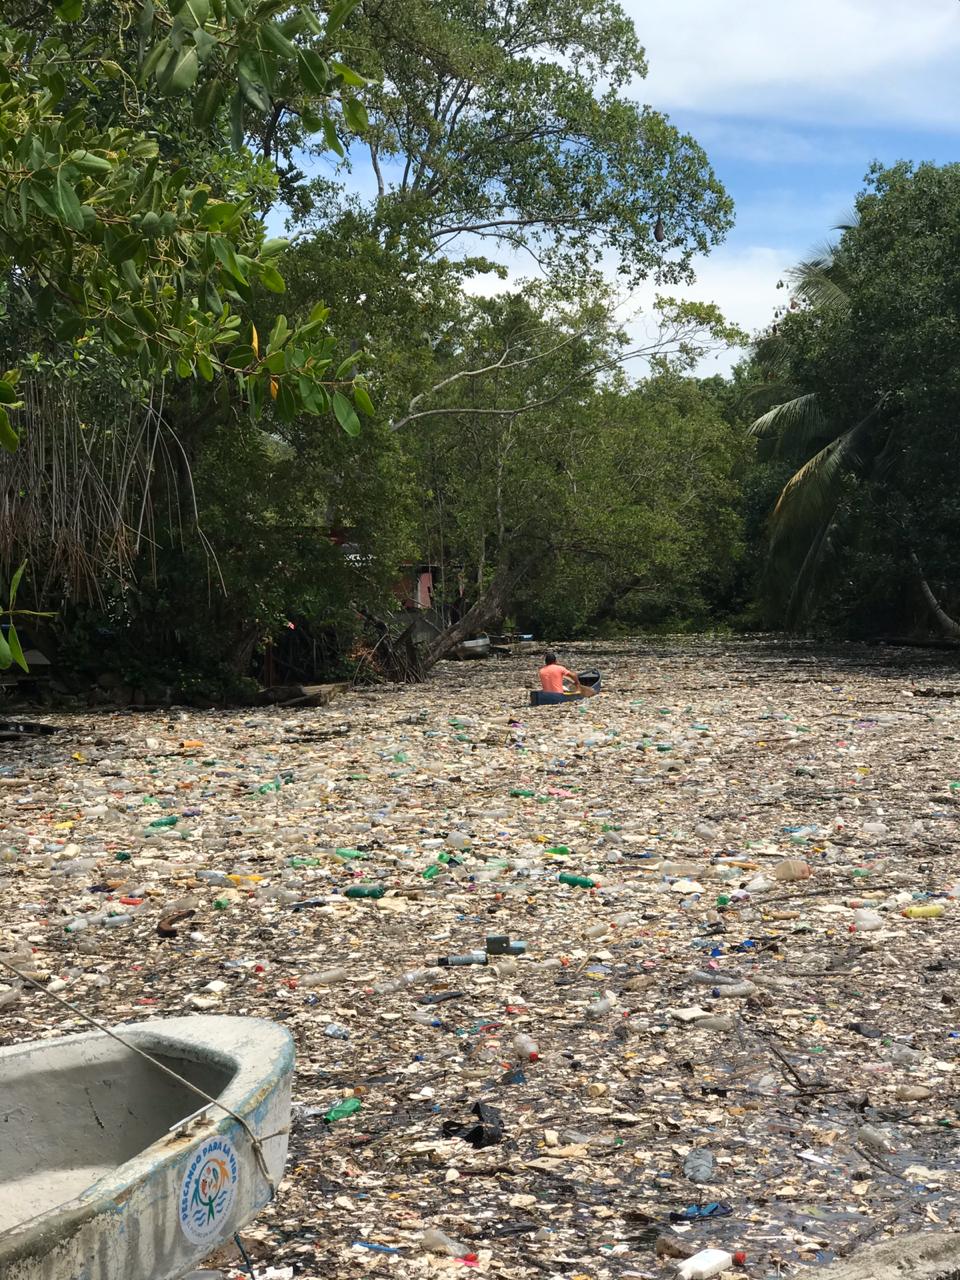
740	1257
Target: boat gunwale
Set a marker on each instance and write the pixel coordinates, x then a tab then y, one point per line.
245	1093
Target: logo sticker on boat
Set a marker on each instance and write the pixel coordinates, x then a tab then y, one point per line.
208	1191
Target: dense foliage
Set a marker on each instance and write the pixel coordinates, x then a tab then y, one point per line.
864	380
231	452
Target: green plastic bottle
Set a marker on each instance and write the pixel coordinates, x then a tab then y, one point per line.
433	871
578	882
519	793
341	1110
163	822
560	849
366	891
303	862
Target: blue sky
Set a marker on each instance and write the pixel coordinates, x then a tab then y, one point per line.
793	100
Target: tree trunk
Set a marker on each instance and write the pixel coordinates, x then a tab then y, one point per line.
949	628
478	617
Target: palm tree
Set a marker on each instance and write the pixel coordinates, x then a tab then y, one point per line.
834	453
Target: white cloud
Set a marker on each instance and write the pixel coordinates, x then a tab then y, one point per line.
742	282
804	59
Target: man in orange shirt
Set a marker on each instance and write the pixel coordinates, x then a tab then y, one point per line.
552	675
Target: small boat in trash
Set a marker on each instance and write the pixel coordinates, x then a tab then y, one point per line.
479	647
589	679
139	1158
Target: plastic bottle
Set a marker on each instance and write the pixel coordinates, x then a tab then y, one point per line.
436	1241
578	882
163	822
525	1047
707	1263
791	869
115	922
903	1055
469	957
213	877
931	912
875	1139
366	891
865	921
598	1008
325	978
341	1110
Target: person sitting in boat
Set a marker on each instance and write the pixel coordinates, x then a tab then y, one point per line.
552	676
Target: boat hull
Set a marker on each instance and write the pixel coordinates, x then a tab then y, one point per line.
76	1109
589	679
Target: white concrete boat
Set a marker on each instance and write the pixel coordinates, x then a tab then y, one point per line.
110	1169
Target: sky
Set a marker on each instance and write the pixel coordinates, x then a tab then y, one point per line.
792	101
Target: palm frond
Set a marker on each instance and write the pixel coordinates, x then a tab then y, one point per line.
821	552
821	282
849	221
794	423
810	497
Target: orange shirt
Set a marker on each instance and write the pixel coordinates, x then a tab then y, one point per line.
551	678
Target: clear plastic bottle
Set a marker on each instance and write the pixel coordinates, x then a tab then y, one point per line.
323	978
436	1241
866	921
525	1047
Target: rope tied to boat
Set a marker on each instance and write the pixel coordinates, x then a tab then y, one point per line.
255	1142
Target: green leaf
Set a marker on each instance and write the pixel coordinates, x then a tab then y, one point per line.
276	362
208	102
240	357
339	14
348	75
6	655
270	248
205	365
355	114
130	277
183	74
363	401
16	649
194	12
271	278
236	121
9	439
7	393
68	11
68	203
286	403
274	39
331	138
145	19
15	584
123	248
253	90
278	334
346	414
311	21
90	163
314	72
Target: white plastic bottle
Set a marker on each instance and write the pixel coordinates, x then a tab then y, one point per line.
707	1263
525	1047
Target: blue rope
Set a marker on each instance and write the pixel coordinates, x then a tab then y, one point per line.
243	1254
